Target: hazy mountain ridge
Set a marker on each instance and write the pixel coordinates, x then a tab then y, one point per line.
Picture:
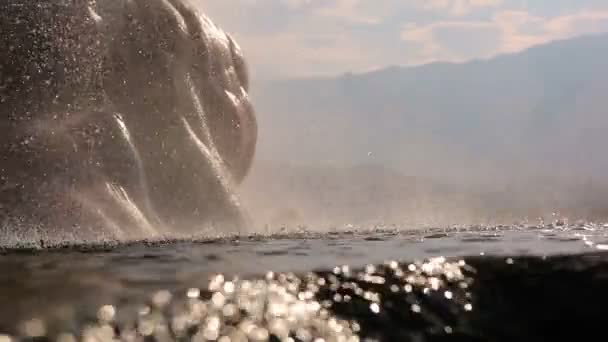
545	104
507	138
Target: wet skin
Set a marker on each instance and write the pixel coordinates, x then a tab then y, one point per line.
121	119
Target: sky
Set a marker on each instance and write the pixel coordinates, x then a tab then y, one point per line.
310	38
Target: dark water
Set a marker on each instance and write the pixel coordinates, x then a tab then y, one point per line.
495	284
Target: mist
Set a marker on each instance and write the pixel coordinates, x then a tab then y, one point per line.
515	138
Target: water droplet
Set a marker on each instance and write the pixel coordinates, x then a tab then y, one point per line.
370	269
161	298
230	311
435	283
106	314
33	328
146	327
258	334
229	287
216	283
144	310
63	337
193	293
218	300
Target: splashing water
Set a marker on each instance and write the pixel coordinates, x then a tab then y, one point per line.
137	138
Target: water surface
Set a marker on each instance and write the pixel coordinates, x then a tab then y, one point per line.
64	290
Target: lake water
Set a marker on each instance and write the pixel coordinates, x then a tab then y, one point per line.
475	283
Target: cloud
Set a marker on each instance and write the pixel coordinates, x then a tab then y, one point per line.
586	21
364	12
456	7
288	54
522	30
350	10
513	31
453	40
302	38
295	38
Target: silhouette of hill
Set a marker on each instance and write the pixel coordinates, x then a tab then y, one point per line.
546	105
519	135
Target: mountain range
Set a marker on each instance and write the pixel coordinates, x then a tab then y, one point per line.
517	135
543	107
